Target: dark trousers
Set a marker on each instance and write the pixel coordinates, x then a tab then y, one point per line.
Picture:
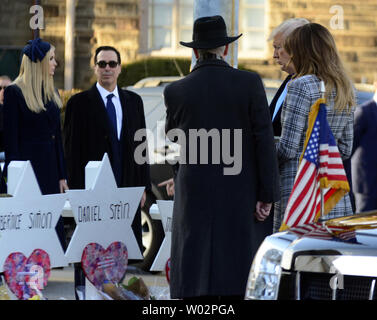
79	277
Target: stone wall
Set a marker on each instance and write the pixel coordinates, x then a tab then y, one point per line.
98	22
117	23
14	23
15	31
356	41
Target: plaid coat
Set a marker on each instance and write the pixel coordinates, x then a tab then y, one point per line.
302	94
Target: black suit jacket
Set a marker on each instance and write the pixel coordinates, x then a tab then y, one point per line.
87	136
276	124
1	128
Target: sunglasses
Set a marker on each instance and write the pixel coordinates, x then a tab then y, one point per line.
2	87
103	64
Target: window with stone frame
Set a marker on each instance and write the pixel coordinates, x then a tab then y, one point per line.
253	25
169	21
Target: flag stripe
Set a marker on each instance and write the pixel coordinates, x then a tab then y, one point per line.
303	205
320	165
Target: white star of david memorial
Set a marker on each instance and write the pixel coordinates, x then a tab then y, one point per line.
103	212
28	218
166	211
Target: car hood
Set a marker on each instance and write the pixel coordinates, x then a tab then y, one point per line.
307	253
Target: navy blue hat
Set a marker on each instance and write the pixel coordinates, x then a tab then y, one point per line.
36	49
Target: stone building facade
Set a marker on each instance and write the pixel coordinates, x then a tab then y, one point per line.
126	24
353	25
14	24
98	22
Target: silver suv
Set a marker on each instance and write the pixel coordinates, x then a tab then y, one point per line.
288	267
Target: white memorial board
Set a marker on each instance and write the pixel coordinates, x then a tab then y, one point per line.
166	211
103	212
28	219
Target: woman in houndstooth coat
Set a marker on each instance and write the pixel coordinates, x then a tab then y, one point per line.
315	58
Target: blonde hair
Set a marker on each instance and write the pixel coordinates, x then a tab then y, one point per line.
34	77
313	51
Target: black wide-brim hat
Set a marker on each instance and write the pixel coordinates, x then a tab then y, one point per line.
209	33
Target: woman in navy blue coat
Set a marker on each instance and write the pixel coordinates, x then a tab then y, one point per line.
32	129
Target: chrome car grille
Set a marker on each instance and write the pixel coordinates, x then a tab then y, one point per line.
316	286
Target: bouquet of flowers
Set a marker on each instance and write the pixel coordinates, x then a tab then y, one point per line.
134	290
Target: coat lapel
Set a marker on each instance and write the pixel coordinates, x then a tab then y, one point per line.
277	95
125	103
98	108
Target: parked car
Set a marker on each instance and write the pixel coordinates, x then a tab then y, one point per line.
160	150
289	267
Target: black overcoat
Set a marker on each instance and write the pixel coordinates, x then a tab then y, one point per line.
36	137
214	233
87	137
364	156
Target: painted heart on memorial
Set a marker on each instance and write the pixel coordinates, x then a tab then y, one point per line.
167	270
23	275
102	265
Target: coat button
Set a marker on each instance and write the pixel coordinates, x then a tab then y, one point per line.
52	137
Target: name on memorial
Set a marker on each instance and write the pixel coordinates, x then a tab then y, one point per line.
120	210
168	224
40	220
89	213
10	222
37	220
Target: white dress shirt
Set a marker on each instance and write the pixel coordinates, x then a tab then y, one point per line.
116	101
280	101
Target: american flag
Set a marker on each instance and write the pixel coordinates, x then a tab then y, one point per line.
321	230
320	167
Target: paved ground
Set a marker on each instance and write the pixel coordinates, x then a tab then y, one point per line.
61	284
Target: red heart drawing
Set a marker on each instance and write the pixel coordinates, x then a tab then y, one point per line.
23	276
102	265
167	270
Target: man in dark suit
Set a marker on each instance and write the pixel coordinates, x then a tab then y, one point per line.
364	155
218	209
101	120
